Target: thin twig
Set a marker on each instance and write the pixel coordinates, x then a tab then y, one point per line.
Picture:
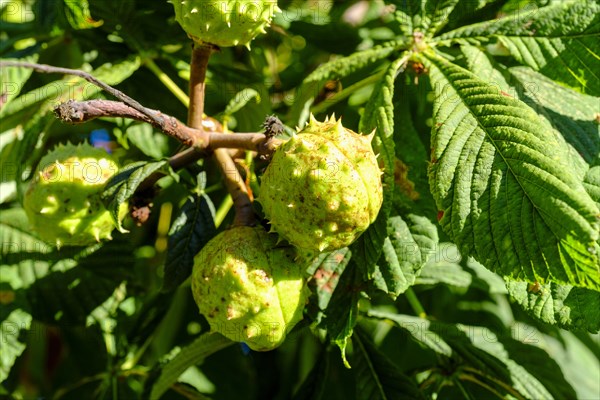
76	112
49	69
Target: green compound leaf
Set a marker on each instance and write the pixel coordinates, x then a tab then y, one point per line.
12	80
377	378
573	114
150	142
407	248
559	41
344	66
501	363
13	328
326	270
436	15
166	373
342	308
190	232
568	307
446	267
79	16
426	16
39	283
240	99
479	63
591	182
505	187
123	185
315	385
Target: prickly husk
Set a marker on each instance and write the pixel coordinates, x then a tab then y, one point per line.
224	22
62	200
248	288
323	187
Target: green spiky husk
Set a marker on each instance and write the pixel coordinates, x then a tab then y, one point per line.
323	187
224	22
63	202
249	289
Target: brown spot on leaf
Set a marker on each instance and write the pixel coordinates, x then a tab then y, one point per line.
534	287
7	297
405	185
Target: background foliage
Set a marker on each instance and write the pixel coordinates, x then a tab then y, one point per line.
480	277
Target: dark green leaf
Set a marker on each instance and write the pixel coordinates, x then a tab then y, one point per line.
578	362
568	307
240	99
559	41
498	361
503	181
591	183
574	115
315	384
151	143
436	15
11	338
51	297
446	266
376	376
15	157
425	16
405	251
342	309
12	81
78	15
123	185
326	270
410	173
165	374
191	230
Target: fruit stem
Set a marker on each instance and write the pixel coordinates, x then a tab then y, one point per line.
49	69
415	303
200	56
234	183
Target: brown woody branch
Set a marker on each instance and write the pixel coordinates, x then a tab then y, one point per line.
82	111
209	138
49	69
